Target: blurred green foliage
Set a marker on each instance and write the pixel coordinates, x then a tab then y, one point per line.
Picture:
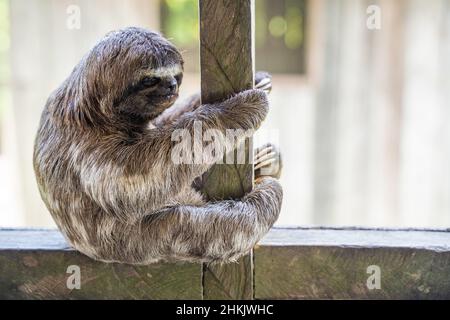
180	21
293	38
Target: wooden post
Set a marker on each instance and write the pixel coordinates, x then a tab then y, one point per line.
227	67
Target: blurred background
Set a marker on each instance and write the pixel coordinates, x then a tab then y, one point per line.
362	115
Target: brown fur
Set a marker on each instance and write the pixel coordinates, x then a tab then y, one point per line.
108	180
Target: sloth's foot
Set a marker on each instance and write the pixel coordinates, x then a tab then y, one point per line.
268	161
263	81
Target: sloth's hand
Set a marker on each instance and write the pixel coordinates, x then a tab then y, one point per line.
263	81
268	161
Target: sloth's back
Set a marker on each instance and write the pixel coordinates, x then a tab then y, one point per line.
75	214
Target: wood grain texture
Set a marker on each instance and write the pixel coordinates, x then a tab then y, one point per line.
33	265
232	281
227	67
332	264
39	274
290	263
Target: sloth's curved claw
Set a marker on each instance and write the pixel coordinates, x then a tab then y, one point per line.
263	81
268	161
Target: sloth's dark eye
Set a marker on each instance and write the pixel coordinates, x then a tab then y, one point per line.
150	81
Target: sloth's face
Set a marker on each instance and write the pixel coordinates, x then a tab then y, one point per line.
152	91
132	75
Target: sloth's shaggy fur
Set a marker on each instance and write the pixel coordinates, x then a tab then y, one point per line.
108	179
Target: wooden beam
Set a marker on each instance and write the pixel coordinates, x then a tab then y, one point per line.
290	263
227	67
334	264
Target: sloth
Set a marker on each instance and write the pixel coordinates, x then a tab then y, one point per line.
102	159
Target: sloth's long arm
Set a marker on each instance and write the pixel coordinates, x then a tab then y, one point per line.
172	114
221	231
146	176
244	112
263	81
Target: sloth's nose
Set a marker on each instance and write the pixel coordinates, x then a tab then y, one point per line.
171	85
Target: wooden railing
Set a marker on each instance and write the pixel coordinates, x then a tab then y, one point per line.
290	263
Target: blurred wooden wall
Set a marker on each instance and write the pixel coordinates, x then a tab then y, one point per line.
382	130
43	53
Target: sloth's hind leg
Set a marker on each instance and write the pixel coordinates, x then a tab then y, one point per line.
215	232
221	231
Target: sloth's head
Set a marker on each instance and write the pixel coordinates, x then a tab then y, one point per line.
132	74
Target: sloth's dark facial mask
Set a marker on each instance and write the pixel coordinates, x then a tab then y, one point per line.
151	93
